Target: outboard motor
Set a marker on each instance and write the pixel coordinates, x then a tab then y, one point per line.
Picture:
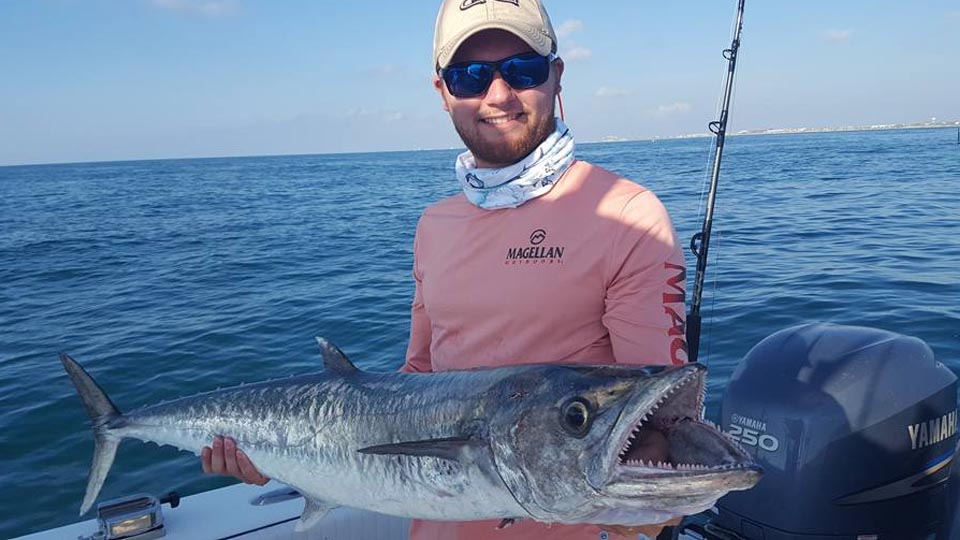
855	429
950	528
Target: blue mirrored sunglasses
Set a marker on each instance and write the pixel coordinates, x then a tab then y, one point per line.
522	71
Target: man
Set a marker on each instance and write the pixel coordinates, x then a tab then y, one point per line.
542	258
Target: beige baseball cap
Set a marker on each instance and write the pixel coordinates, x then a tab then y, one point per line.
460	19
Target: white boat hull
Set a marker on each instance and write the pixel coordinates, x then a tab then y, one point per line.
228	513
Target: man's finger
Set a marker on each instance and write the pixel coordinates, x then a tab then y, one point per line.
216	456
230	457
250	473
205	459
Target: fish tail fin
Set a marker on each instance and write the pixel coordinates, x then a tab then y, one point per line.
105	449
101	411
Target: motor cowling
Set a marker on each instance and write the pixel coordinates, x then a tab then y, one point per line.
855	428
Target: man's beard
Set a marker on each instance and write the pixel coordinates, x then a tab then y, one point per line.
507	153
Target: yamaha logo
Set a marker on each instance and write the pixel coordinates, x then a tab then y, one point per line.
933	431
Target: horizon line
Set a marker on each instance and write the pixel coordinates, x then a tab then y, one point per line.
609	139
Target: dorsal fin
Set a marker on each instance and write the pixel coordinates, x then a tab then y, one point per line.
333	358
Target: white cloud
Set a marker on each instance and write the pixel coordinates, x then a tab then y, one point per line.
576	52
677	107
376	115
572	50
569	27
393	116
838	36
383	72
209	8
607	92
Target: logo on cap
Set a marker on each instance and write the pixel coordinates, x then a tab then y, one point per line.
467	4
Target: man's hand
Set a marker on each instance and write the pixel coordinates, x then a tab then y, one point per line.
226	459
651	531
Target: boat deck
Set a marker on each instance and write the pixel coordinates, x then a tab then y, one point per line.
227	513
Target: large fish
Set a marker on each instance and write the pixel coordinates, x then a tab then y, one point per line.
555	443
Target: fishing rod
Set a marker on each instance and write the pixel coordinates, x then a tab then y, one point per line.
700	243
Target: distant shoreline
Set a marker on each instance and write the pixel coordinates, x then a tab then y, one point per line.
608	139
795	131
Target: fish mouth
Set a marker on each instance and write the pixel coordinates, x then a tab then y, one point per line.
668	438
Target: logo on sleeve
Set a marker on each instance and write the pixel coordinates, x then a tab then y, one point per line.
673	306
536	252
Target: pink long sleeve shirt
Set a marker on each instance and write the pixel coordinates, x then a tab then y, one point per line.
590	273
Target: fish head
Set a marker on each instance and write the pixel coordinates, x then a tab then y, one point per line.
613	444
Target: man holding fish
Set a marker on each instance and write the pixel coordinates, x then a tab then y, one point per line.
543	258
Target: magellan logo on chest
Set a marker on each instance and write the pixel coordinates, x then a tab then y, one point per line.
536	252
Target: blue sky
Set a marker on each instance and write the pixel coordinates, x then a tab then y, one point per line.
91	80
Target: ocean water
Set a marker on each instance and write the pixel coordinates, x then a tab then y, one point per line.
167	278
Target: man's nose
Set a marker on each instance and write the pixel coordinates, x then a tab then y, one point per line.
499	91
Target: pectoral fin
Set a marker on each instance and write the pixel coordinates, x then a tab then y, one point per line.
452	448
313	512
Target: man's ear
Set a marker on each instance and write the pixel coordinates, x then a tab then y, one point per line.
438	86
558	65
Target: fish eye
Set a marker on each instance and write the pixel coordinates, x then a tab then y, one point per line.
576	417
